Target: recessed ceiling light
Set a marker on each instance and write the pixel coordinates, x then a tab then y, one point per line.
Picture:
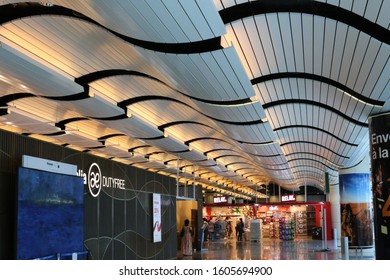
47	4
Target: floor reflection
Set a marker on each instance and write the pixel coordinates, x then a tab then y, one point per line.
273	249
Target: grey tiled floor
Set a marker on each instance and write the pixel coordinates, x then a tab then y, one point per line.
274	249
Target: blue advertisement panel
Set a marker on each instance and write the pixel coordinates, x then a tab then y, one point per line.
379	127
50	214
356	217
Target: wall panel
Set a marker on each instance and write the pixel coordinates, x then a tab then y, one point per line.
118	223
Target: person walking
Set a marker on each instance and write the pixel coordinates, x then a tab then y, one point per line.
229	230
211	229
240	229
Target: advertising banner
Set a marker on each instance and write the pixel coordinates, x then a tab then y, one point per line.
379	128
356	218
156	217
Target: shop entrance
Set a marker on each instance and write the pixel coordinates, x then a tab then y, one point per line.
187	210
280	221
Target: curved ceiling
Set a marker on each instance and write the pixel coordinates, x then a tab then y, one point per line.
231	94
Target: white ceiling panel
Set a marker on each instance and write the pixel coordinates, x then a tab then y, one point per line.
42	108
383	17
266	41
231	74
17	69
366	66
123	87
255	44
307	29
359	7
119	16
132	127
378	69
381	90
278	48
348	54
372	10
338	50
359	53
27	124
95	107
222	74
199	17
161	18
79	138
318	44
330	27
296	31
243	44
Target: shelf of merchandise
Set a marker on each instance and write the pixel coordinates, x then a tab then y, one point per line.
265	231
287	228
311	219
274	229
301	223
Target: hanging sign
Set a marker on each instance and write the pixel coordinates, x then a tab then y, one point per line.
289	198
220	199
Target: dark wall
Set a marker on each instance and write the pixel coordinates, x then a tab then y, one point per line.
118	223
7	214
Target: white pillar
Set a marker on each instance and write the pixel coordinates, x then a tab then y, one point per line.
334	198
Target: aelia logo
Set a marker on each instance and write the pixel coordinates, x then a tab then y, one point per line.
94	179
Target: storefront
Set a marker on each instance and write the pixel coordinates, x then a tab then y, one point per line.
286	221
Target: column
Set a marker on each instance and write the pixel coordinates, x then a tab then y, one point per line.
355	205
334	198
379	131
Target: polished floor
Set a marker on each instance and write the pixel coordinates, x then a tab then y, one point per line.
274	249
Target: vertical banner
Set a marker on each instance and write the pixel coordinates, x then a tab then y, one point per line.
156	217
355	209
379	128
326	183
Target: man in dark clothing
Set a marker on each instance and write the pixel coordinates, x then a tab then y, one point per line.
240	229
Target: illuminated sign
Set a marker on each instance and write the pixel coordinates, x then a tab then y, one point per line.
95	180
220	199
288	198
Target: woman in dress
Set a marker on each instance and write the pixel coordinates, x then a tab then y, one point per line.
186	239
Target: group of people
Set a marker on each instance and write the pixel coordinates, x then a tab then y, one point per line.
219	228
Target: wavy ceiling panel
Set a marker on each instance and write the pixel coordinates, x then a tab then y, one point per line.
233	93
160	21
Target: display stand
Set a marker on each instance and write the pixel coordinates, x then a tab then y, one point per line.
287	228
311	219
274	229
265	231
255	232
301	223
